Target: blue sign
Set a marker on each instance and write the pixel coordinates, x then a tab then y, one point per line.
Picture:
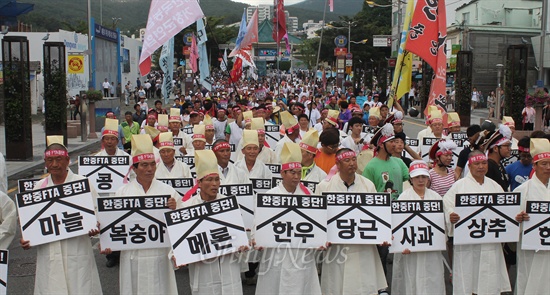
341	41
540	84
105	33
188	39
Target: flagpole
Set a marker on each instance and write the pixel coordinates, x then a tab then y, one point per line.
321	39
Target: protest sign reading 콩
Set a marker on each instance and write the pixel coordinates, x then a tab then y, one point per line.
181	185
245	198
486	218
298	220
106	173
26	185
57	212
133	222
4	258
205	231
536	231
418	226
272	135
358	218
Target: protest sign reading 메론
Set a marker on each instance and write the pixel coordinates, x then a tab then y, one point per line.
418	226
4	258
486	218
245	198
133	222
275	169
536	231
26	185
272	135
311	185
261	185
57	212
358	218
106	173
181	185
205	231
190	162
300	221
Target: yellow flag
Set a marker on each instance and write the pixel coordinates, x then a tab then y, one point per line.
403	66
76	64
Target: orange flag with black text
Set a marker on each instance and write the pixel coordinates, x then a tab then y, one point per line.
427	39
237	70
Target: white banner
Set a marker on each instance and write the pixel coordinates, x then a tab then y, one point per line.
245	198
418	226
536	231
190	161
358	218
26	185
272	135
106	173
205	231
296	220
57	212
4	258
166	63
133	222
486	218
181	185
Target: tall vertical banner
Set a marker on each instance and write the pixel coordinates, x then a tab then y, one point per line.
427	39
279	21
403	68
164	21
223	64
166	62
203	56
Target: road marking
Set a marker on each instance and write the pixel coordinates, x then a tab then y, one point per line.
414	123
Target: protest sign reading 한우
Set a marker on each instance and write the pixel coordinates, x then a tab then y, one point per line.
418	226
486	218
205	231
358	218
57	212
133	222
297	220
106	173
536	231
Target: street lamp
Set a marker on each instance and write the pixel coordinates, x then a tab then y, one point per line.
499	89
359	42
350	23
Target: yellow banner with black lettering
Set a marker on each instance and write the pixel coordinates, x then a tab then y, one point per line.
76	64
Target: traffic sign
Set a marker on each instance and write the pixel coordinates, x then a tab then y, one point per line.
188	38
349	55
340	51
381	41
341	41
349	62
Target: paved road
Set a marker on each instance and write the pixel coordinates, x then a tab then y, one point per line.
22	263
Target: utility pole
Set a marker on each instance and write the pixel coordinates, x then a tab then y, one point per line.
544	26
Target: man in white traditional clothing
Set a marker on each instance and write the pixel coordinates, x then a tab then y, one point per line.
109	140
220	275
250	164
198	139
209	131
428	130
266	155
350	269
174	122
8	220
418	272
478	268
67	266
146	271
284	270
533	266
308	146
229	174
292	132
169	167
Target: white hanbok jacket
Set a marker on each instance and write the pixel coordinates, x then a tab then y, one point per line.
147	271
259	170
235	175
418	272
478	268
216	276
287	271
66	266
8	220
266	155
361	271
179	170
533	267
316	174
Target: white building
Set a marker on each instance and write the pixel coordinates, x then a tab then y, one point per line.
264	11
292	24
310	27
